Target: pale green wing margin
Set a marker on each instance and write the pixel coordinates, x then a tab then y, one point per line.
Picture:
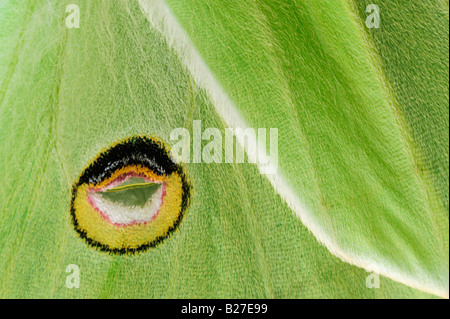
349	167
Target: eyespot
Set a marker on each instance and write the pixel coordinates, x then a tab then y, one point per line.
131	197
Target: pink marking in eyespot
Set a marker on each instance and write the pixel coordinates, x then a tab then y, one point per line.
120	179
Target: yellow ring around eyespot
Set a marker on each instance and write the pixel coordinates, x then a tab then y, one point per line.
99	229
